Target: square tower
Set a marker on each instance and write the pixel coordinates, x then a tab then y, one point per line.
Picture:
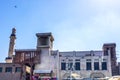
44	45
44	40
110	49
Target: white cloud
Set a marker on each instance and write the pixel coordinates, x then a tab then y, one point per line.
104	23
100	28
105	3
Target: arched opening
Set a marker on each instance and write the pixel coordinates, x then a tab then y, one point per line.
71	76
97	75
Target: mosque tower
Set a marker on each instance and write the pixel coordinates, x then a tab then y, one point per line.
11	46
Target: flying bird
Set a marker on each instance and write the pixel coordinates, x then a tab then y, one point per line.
15	6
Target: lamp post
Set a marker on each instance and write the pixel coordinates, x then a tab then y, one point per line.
70	67
13	72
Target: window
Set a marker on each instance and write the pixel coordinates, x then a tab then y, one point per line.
0	69
88	59
77	59
88	66
77	66
8	69
70	60
104	65
112	52
18	69
96	65
63	66
70	66
106	52
96	60
104	60
43	40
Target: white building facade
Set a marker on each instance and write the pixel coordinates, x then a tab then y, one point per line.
72	64
84	64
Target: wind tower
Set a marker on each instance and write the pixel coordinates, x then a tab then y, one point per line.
11	46
44	45
110	49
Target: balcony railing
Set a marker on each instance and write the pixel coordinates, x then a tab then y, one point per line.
27	56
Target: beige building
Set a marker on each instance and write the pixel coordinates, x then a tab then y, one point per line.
88	64
84	64
46	63
10	71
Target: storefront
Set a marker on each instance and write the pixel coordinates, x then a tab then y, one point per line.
44	74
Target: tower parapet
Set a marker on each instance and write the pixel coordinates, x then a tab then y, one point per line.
44	40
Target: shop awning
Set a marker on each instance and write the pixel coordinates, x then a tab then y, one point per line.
42	71
115	78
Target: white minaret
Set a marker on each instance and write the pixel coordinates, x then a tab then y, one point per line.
11	46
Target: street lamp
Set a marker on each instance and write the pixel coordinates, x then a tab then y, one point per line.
70	66
13	72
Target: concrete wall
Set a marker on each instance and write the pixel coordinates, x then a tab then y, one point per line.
49	61
9	75
45	60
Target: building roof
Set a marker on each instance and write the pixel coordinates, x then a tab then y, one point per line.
81	53
45	35
109	44
17	50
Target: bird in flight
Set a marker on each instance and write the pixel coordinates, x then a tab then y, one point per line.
15	6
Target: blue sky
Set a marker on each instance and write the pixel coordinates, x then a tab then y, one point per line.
75	24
